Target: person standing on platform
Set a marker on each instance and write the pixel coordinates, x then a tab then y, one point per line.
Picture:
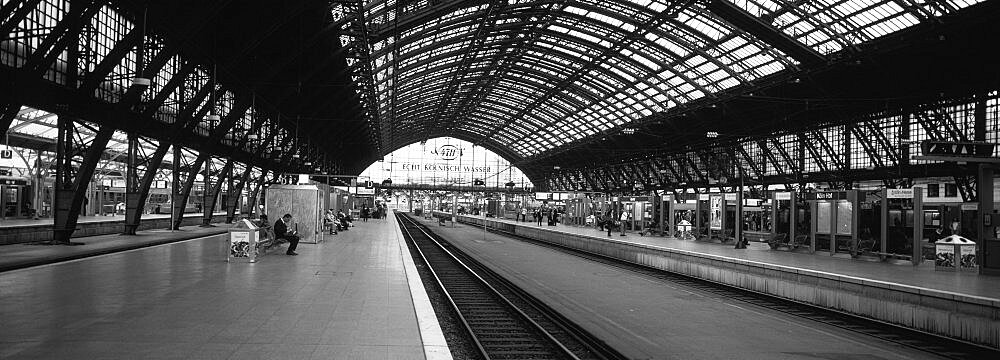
609	222
365	213
623	219
538	217
524	214
281	232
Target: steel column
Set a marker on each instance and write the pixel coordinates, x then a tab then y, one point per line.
179	200
210	201
71	185
133	218
234	195
257	187
132	213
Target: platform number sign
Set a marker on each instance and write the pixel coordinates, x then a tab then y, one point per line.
6	154
369	184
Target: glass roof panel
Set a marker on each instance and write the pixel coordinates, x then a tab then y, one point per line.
530	73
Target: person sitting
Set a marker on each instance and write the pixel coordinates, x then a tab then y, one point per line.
281	232
329	221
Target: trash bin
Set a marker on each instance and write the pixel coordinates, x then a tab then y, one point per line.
955	253
244	237
684	228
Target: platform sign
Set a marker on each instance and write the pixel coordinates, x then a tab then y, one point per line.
703	197
731	197
782	196
829	195
956	148
13	182
899	193
6	154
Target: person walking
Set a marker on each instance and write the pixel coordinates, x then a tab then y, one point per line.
538	217
281	232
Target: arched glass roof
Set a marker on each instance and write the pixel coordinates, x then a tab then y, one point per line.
529	76
445	161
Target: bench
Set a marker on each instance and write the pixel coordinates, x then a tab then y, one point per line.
267	241
759	236
781	240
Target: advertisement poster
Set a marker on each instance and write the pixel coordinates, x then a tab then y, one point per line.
945	256
715	205
239	244
823	213
968	257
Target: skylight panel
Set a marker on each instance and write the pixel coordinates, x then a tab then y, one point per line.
711	31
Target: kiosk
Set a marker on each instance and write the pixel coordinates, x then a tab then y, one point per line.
305	203
683	219
783	213
952	217
724	208
665	214
639	209
835	226
757	221
702	217
901	230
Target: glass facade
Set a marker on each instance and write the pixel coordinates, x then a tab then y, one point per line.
445	161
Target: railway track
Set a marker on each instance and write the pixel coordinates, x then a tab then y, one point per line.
502	320
927	342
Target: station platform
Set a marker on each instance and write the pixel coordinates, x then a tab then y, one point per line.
960	305
355	296
18	256
645	318
17	231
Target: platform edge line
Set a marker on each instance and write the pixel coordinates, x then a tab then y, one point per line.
434	344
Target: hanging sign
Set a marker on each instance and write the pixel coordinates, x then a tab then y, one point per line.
731	197
957	148
6	154
702	197
782	196
831	195
899	193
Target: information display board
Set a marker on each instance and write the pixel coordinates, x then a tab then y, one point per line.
845	211
823	213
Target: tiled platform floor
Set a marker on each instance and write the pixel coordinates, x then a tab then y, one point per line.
922	275
346	298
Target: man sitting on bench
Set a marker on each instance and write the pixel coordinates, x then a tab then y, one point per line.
281	232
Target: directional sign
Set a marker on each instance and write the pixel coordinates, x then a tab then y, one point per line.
954	148
899	193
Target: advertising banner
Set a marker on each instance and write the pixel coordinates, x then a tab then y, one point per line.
715	205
